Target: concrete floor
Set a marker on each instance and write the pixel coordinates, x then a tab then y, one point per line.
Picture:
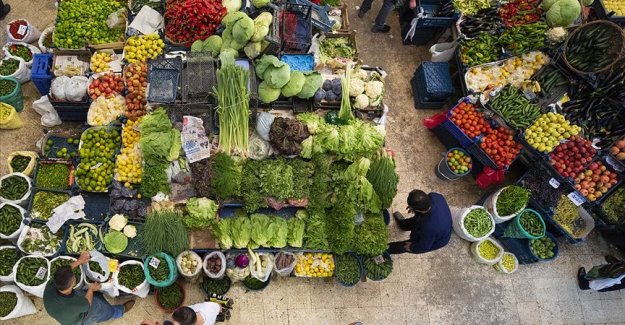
443	287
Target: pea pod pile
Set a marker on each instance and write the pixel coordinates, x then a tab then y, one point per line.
216	286
160	273
485	20
19	162
39	239
8	300
9	66
13	187
524	38
10	219
44	202
27	271
347	269
531	223
83	237
8	258
482	49
543	247
478	222
63	261
52	176
590	48
170	297
517	110
131	276
377	271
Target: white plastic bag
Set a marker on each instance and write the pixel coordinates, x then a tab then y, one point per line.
22	74
9	278
49	116
265	272
458	224
27	34
221	272
16	233
491	205
24	305
195	257
141	290
104	264
26	232
33	50
43	36
479	258
263	125
25	197
76	88
80	281
33	290
287	270
443	52
501	268
57	88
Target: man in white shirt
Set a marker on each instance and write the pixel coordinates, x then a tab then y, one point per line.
204	313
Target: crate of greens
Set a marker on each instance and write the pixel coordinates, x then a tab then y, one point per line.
544	249
348	269
11	220
524	38
508	263
82	236
54	174
507	202
479	50
487	251
14	304
216	286
22	162
377	267
38	239
473	224
160	270
517	111
130	278
43	203
527	224
15	188
9	255
612	209
60	261
171	297
31	274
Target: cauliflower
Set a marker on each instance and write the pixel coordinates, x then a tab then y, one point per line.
557	34
130	231
356	87
118	222
360	74
361	101
374	89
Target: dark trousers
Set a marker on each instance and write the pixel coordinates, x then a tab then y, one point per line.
398	246
384	12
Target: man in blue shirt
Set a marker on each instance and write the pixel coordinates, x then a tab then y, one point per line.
430	228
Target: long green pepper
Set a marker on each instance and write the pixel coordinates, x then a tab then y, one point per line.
160	273
131	276
13	187
8	301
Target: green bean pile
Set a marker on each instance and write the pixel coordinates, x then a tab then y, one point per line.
44	202
347	269
512	199
10	219
478	223
131	276
531	223
52	176
27	271
161	273
13	187
517	110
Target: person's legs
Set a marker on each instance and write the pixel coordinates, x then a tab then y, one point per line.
380	21
406	224
102	311
4	9
582	282
364	7
396	247
614	287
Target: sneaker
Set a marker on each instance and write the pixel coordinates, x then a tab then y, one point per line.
398	216
383	29
128	305
582	282
361	13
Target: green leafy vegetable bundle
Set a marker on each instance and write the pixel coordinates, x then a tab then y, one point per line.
371	236
226	179
170	297
164	231
202	213
234	109
316	236
383	177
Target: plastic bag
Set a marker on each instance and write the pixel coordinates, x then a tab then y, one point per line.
263	125
26	33
9	119
141	290
33	290
43	36
287	270
491	205
499	266
49	116
195	257
480	259
80	283
461	231
24	197
434	120
33	50
104	264
443	52
31	164
221	272
57	88
17	232
9	278
117	19
265	272
22	74
76	88
150	263
24	305
489	177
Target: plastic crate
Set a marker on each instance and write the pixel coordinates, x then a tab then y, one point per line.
430	7
296	21
198	78
96	205
456	132
70	173
32	201
476	152
320	19
134	250
202	111
41	73
97	243
163	78
434	81
71	111
299	62
420	103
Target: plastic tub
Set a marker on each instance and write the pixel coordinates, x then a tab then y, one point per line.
15	98
362	271
444	172
555	249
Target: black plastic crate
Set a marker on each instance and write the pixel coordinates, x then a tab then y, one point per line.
32	201
420	103
434	81
422	35
134	250
96	205
97	243
296	21
198	78
176	112
163	78
602	13
70	174
71	111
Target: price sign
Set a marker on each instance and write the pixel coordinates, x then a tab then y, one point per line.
22	30
554	183
576	198
154	262
378	259
41	273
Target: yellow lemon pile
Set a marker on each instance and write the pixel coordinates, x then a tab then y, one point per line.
128	162
618	6
100	61
314	265
548	130
144	47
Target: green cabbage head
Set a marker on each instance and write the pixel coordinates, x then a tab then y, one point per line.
563	13
295	84
267	94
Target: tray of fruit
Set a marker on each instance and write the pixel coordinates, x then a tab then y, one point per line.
314	265
98	147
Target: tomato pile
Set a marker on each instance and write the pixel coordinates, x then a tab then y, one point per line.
469	120
595	181
500	146
520	12
107	85
187	21
136	77
459	161
570	158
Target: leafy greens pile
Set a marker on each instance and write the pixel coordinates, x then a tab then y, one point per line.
259	230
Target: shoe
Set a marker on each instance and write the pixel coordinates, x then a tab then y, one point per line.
128	305
383	29
361	13
398	216
5	11
582	283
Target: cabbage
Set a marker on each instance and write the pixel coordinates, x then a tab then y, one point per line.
130	231
228	56
252	50
295	84
260	3
115	242
212	45
312	84
275	72
202	213
197	46
267	93
243	30
232	5
563	13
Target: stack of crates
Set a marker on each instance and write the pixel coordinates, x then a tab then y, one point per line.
41	73
431	85
427	28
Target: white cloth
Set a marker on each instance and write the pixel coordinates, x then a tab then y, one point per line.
599	284
72	209
208	310
147	21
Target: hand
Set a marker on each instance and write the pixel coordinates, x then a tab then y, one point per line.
413	4
83	258
407	246
95	287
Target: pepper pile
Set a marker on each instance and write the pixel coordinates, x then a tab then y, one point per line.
8	258
187	21
13	187
14	28
28	268
21	51
9	66
520	12
482	49
524	38
6	88
10	219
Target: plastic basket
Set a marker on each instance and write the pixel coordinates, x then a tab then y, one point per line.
16	97
265	284
70	174
169	310
456	132
556	250
198	78
71	111
163	78
41	73
362	271
206	279
618	46
430	7
296	28
419	102
514	228
97	243
371	277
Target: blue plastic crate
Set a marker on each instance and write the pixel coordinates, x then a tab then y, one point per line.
419	102
41	73
434	81
430	7
476	152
